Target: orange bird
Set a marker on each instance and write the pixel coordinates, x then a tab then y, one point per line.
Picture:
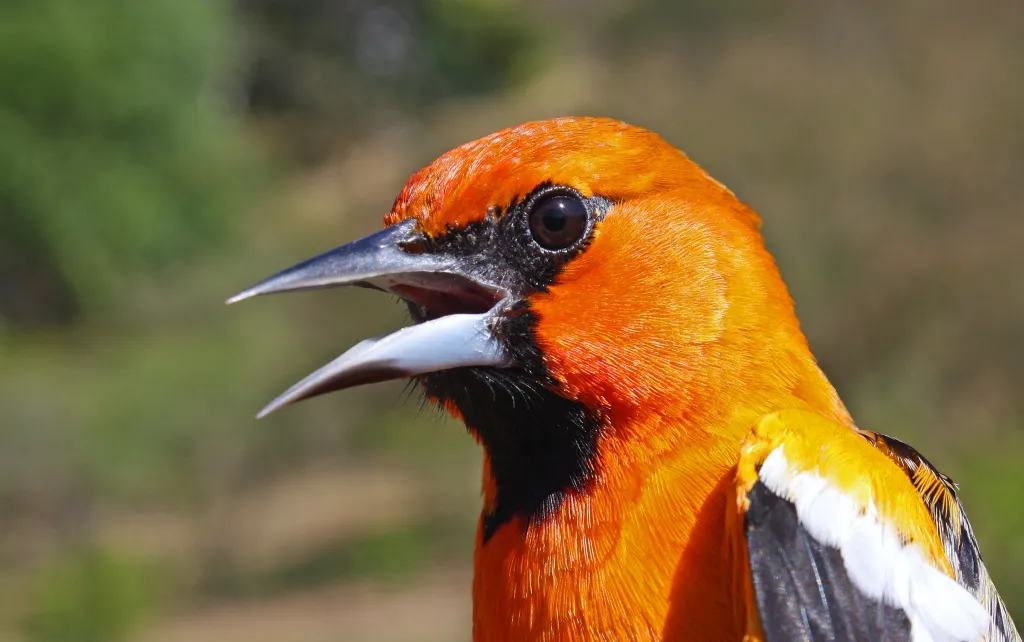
663	457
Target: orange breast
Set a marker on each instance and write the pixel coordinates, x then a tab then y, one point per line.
642	556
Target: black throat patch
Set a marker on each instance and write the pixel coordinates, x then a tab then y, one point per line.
540	445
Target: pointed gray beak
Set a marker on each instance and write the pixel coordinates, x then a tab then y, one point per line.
458	309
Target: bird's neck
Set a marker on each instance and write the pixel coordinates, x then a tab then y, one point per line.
640	551
616	562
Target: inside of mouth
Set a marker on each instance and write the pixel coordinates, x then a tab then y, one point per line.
432	296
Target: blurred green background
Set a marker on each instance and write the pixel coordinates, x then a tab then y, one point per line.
157	156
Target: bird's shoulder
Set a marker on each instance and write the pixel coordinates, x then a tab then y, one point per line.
852	535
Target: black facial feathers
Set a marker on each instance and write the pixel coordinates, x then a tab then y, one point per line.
540	444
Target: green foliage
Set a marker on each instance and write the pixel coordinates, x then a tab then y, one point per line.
393	555
118	157
992	500
137	445
477	46
343	65
90	595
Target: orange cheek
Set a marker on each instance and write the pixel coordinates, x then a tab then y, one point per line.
630	321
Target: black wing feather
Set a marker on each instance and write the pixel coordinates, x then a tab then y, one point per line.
803	591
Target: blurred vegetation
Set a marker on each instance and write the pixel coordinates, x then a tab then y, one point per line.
119	156
89	596
159	156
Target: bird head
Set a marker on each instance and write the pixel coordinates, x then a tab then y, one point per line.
566	279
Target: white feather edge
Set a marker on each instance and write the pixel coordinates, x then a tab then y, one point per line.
939	609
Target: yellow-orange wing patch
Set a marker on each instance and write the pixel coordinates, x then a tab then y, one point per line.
841	545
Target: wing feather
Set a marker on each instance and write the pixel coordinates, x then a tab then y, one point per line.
802	588
940	495
847	540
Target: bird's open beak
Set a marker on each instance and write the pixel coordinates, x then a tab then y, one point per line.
456	308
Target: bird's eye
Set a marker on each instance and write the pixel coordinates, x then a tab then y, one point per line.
556	222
